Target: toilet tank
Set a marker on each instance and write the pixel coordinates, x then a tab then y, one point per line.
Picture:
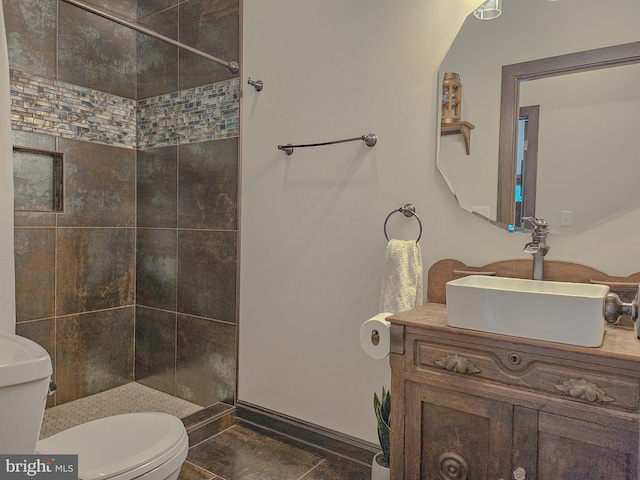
25	371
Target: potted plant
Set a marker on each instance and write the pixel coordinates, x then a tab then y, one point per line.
382	408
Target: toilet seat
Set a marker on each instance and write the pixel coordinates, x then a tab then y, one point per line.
122	447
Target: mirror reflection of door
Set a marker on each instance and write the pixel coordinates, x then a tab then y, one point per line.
527	163
584	152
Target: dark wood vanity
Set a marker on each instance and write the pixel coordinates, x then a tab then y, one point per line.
478	406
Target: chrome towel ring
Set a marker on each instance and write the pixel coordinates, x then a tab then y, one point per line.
408	211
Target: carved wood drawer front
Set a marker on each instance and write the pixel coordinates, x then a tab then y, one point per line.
575	381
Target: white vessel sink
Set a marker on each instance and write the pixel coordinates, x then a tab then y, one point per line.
22	360
570	313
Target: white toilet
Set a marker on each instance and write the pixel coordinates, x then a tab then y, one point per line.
149	445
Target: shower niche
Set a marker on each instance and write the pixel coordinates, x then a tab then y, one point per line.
37	179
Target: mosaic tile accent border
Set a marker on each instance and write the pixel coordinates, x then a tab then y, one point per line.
209	112
198	114
62	109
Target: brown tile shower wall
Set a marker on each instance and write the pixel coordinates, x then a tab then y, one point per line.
187	211
186	270
137	278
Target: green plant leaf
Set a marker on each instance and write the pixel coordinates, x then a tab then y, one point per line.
386	408
382	409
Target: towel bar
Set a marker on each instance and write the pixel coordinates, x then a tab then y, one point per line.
408	211
369	139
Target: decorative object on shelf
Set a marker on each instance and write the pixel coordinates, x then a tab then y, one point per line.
382	407
452	122
457	364
584	390
451	97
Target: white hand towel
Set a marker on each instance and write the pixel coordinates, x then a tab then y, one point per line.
402	277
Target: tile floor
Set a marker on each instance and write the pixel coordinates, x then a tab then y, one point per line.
236	453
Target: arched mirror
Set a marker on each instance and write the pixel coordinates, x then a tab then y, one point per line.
554	108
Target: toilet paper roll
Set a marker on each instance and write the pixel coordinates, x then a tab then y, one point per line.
375	337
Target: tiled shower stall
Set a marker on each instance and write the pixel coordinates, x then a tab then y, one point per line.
136	279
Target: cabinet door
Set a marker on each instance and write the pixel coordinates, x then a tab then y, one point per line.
570	449
454	436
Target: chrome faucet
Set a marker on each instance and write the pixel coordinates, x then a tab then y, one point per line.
538	246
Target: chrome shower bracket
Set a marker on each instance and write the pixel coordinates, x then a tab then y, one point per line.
257	84
614	308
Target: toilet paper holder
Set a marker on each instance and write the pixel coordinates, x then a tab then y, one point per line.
375	337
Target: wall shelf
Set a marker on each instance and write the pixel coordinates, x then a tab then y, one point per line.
461	127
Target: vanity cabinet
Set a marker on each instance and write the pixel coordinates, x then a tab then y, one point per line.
477	406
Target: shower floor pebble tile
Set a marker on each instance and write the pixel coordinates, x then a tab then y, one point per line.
129	398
